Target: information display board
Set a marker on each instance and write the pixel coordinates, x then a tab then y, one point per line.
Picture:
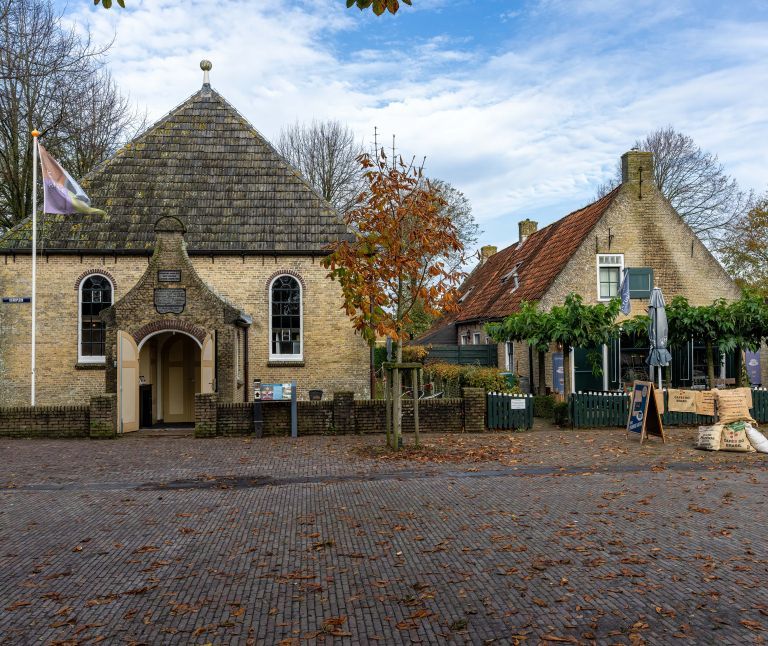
644	417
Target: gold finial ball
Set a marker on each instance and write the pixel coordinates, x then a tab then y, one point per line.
35	133
206	65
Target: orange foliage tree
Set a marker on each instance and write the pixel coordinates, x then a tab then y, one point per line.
396	254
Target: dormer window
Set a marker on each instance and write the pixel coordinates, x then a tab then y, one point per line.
463	297
512	277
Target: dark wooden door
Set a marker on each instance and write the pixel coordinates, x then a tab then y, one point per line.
145	406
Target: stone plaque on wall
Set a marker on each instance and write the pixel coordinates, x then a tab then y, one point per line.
170	300
169	275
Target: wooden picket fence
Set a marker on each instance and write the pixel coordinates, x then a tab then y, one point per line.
607	409
509	411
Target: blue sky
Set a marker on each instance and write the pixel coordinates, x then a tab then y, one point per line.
524	105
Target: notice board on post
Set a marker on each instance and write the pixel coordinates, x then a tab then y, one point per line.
644	417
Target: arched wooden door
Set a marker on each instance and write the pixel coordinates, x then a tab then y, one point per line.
127	383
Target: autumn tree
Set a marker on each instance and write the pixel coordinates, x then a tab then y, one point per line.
744	248
326	153
457	207
693	180
398	222
52	79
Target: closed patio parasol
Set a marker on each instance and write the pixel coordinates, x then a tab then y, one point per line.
658	332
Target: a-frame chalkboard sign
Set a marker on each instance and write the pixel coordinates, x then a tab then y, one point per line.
644	417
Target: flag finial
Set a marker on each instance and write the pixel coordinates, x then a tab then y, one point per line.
206	66
35	133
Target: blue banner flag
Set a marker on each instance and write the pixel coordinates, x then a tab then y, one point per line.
626	306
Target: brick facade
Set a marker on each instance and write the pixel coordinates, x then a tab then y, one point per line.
335	358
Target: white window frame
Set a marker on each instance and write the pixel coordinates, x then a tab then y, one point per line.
287	357
89	358
465	339
609	263
509	357
476	338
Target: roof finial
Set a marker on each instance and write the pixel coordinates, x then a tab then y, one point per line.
206	66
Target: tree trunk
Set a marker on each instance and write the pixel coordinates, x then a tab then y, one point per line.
397	407
710	365
415	380
567	371
542	374
739	367
388	406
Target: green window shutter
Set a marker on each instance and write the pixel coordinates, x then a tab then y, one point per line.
640	282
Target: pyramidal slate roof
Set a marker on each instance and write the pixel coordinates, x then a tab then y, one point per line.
207	165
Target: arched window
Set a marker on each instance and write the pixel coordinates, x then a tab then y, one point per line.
95	295
285	321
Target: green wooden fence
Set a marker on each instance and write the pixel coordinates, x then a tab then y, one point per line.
508	411
606	409
465	355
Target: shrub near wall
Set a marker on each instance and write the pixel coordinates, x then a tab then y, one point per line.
451	378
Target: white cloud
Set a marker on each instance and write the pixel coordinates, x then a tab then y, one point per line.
527	130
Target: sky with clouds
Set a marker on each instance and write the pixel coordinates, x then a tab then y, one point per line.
524	105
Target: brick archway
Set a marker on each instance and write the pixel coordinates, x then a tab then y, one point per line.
170	325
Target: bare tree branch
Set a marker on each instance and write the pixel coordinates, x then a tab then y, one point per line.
52	79
326	153
694	181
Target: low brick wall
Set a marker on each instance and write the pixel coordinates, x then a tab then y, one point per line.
345	415
45	421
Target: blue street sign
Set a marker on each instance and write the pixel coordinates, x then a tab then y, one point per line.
17	299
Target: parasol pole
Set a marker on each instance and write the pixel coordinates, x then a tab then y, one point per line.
35	135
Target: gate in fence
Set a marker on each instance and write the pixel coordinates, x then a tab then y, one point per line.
606	409
508	411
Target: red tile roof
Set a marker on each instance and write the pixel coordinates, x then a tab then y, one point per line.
539	260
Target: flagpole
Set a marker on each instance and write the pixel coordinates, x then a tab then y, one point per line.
35	135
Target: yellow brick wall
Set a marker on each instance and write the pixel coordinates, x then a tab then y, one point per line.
335	358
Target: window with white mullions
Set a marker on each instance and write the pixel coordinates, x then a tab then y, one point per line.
96	293
285	319
610	268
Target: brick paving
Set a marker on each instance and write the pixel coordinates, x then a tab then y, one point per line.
497	538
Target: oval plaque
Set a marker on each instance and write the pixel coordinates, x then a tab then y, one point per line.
170	300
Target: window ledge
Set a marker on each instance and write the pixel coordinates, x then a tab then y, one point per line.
90	366
272	363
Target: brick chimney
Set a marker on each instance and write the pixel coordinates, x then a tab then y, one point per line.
526	228
637	170
486	252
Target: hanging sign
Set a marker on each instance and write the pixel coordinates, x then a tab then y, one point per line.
644	415
17	299
682	401
517	403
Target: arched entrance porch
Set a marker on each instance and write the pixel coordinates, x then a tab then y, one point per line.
159	376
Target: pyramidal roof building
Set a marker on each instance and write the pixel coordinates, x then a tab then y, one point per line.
202	276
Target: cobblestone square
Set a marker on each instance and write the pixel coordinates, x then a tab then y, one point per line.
541	537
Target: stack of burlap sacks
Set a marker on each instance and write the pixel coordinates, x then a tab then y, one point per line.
735	430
